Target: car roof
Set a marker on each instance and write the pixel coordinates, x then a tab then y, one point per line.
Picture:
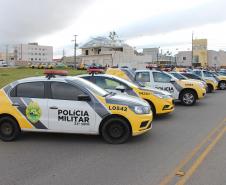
44	78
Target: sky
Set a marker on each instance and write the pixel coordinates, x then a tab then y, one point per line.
167	24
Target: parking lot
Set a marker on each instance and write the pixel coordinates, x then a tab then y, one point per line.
188	142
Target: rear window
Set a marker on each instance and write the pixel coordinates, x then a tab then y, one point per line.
29	90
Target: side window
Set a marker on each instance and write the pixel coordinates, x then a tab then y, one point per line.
207	74
161	77
142	77
29	90
199	73
64	91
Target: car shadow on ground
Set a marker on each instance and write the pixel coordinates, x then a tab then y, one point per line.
61	138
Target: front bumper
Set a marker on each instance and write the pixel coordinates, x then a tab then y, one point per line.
142	124
201	93
164	106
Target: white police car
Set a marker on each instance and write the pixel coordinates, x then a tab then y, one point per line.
70	105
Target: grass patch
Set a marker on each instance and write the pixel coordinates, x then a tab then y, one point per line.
8	75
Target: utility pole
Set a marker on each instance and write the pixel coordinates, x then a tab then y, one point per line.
75	47
192	50
6	53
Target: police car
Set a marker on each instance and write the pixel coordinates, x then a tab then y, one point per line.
187	91
70	105
193	77
221	80
211	81
161	102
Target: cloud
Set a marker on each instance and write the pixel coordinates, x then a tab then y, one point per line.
208	13
27	20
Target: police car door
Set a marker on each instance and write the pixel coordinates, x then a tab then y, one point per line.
29	99
68	114
164	82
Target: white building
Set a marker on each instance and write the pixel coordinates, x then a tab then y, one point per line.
33	52
109	52
184	58
217	58
214	58
153	52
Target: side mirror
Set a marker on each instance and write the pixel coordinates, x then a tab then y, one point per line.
83	98
172	81
121	88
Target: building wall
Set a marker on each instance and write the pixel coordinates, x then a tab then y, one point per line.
184	58
9	58
216	58
200	52
34	53
153	52
113	56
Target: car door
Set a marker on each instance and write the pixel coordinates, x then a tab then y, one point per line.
66	112
29	98
163	81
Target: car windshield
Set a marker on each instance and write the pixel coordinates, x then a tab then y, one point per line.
90	86
215	73
131	84
179	76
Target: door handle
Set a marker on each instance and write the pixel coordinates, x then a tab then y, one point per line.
16	104
54	107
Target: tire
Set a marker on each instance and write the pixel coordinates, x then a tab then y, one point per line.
116	131
9	129
210	88
188	98
152	108
222	85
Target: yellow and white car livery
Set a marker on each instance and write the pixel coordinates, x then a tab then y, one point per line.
187	91
70	105
161	102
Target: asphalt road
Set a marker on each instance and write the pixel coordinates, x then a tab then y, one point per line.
61	159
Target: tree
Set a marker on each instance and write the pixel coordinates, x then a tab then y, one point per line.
113	35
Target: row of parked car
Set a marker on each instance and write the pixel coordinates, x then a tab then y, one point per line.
183	86
116	103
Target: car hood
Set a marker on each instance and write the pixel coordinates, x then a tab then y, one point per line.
128	100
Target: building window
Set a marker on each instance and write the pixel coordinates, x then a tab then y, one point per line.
87	52
184	58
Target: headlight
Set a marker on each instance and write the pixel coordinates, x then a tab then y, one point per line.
202	85
141	109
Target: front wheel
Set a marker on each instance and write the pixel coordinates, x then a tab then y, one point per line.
116	131
210	88
188	98
9	129
222	85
